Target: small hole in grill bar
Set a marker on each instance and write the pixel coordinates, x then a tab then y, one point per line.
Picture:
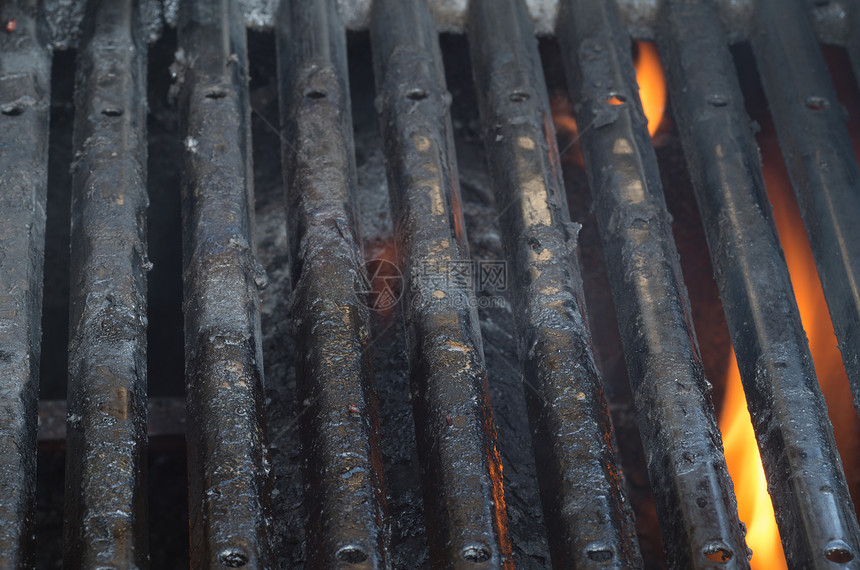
717	100
518	96
315	94
112	112
616	99
839	552
717	553
216	94
599	554
816	103
417	94
233	558
476	553
351	555
12	110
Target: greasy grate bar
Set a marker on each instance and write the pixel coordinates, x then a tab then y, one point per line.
817	150
462	483
343	470
588	518
105	517
810	495
25	71
228	468
692	490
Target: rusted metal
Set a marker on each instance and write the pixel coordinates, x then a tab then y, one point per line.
462	480
693	492
588	518
817	149
25	95
105	516
343	471
228	467
810	496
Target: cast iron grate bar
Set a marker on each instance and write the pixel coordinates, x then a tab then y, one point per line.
693	493
105	520
343	472
588	518
228	467
810	495
25	96
853	43
462	479
814	140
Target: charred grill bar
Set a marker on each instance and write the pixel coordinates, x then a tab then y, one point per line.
464	500
105	519
343	473
693	492
25	93
588	520
228	469
817	150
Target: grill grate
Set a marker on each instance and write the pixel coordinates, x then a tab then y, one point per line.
468	523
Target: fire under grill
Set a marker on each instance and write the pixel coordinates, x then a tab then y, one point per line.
439	388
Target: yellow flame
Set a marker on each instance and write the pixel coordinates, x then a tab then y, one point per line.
745	468
652	84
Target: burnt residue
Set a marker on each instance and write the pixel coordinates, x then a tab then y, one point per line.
345	500
228	466
692	489
105	517
463	496
820	160
588	516
25	70
808	488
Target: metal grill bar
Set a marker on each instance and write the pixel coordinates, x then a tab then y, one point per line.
588	519
853	43
695	504
795	437
343	473
105	516
820	160
25	84
463	496
228	468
